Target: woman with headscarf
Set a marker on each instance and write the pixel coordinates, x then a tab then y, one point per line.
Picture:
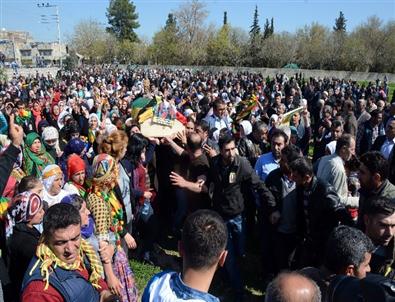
109	216
35	156
52	179
52	115
37	112
115	144
76	172
26	212
74	146
50	138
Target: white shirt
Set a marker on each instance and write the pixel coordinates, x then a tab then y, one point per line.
386	148
51	200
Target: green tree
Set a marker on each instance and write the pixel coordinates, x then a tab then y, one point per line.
255	29
171	22
122	18
340	23
266	29
165	43
272	26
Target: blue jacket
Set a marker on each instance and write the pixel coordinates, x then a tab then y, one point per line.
70	284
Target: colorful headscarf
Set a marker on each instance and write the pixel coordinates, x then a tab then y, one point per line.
35	162
105	172
49	175
24	206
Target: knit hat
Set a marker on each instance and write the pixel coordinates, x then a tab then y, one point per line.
75	164
24	206
50	133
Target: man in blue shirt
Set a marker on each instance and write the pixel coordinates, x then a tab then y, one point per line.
202	248
270	161
219	119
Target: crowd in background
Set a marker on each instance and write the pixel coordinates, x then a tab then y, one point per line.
303	167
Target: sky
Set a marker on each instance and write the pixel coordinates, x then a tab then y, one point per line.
289	15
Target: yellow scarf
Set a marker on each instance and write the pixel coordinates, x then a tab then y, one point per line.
48	258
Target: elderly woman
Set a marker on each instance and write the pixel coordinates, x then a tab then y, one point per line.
109	215
35	156
26	212
52	179
76	176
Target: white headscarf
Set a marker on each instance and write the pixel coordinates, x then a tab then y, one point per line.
247	127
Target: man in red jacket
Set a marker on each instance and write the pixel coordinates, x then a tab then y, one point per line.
65	267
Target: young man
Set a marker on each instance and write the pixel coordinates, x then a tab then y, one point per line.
270	161
379	218
319	211
373	176
348	252
57	272
202	249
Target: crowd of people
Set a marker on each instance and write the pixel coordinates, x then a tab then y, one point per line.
303	168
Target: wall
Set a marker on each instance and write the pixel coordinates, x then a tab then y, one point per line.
358	76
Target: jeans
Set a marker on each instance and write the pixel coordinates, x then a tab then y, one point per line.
235	248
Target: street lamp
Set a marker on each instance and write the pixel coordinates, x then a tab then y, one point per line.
57	20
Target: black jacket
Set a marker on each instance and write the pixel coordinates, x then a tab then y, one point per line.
225	185
7	160
274	184
322	213
21	246
251	149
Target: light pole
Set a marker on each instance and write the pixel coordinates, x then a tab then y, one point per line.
44	20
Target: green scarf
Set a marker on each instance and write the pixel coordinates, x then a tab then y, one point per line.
35	161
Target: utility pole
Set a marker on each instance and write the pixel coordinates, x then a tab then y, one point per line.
45	20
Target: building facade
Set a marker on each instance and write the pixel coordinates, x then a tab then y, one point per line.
21	48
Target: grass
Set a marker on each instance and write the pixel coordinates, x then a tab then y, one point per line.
391	87
169	259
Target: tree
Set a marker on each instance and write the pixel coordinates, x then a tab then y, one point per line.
272	26
225	18
340	23
255	29
89	40
171	22
191	16
266	30
122	18
165	43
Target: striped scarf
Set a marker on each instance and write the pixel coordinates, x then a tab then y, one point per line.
49	259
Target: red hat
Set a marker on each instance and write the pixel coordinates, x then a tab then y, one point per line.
75	164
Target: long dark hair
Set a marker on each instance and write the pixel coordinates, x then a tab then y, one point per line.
136	145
